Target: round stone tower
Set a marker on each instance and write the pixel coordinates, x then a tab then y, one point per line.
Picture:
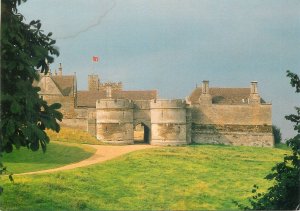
168	122
114	121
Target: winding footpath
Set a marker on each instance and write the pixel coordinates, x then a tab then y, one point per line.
103	153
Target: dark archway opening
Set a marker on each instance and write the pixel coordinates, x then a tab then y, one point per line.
141	134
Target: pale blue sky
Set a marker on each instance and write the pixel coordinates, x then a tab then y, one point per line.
172	45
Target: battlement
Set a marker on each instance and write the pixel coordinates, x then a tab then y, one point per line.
114	104
113	85
162	103
142	104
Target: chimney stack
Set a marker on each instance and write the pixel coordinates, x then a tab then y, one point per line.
205	87
108	92
205	98
60	70
254	89
254	96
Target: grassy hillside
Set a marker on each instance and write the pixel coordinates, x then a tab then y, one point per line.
177	178
72	136
57	154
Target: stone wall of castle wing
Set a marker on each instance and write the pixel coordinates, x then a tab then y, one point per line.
91	121
257	114
67	102
249	124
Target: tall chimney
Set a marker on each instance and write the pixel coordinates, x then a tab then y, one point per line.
205	98
254	96
254	89
60	70
108	92
205	87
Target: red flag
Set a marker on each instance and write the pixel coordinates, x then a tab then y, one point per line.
95	59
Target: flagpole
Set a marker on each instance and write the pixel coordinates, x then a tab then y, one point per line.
93	67
95	59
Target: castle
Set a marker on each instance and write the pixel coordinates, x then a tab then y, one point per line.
231	116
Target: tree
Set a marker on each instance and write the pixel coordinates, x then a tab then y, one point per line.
24	49
276	134
285	194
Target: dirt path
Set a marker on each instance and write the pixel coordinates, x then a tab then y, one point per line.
102	154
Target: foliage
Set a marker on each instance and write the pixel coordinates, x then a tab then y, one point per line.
71	135
24	115
198	177
283	146
276	134
285	194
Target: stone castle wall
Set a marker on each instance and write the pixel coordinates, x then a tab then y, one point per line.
248	114
249	124
172	122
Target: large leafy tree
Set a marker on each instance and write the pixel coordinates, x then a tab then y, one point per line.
285	194
24	114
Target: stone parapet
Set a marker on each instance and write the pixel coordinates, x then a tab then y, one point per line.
142	104
114	104
167	104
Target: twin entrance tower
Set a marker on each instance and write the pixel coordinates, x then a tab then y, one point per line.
166	122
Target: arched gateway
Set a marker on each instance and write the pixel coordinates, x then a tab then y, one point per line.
164	121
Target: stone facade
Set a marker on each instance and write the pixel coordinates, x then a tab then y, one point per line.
231	116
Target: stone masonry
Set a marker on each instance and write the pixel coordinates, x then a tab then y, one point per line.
231	116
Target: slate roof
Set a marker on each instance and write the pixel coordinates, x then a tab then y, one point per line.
230	96
89	98
64	83
135	95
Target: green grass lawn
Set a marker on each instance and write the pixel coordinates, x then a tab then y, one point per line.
57	154
72	135
178	178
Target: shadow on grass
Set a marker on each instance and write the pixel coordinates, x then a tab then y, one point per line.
55	154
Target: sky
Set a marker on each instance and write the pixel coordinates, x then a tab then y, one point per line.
173	45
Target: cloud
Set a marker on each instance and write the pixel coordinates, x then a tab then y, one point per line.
68	19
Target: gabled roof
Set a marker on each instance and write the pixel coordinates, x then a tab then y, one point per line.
64	83
230	96
89	98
